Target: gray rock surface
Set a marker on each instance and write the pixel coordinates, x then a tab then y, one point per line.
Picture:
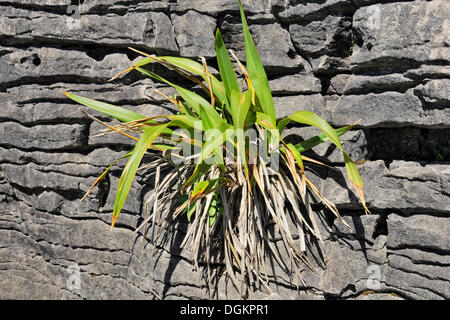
160	34
320	37
389	108
384	63
276	42
295	84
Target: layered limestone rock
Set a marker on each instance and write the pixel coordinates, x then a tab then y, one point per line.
384	63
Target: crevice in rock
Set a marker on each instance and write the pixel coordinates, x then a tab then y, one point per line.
69	194
42	8
83	149
428	248
48	80
96	50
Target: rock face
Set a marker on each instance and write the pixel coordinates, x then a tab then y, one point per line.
384	63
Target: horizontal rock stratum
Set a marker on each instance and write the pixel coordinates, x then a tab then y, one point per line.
384	63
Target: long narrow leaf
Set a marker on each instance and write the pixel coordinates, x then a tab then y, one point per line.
225	67
184	64
105	172
116	112
195	101
129	172
314	141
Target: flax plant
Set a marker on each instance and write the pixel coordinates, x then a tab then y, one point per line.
236	201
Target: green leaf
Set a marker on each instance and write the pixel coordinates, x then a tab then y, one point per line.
197	69
250	119
129	172
257	73
102	176
200	169
314	141
264	121
216	208
195	101
296	154
225	67
355	178
240	106
282	124
205	187
113	111
310	118
212	216
214	143
190	211
116	112
185	64
190	66
163	146
144	62
206	121
182	120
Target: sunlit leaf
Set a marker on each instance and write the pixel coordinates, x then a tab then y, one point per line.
225	67
257	73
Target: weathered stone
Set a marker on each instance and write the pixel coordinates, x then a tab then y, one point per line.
159	34
220	6
286	106
139	92
435	93
328	65
420	232
195	34
358	84
330	36
94	6
98	136
43	112
419	252
386	109
338	83
401	33
428	71
377	296
33	177
354	142
272	41
416	281
50	64
390	69
261	18
57	161
309	10
275	46
299	83
349	266
24	25
42	137
405	186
